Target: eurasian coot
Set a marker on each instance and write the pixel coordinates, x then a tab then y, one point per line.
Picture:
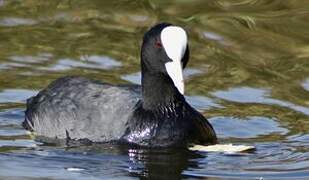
155	114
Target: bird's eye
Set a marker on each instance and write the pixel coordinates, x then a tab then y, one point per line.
158	44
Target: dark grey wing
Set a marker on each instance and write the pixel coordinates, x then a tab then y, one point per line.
77	108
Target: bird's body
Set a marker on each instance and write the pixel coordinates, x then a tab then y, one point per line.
155	114
78	108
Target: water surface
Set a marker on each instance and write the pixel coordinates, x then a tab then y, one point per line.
248	74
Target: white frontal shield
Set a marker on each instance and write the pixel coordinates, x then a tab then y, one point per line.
174	41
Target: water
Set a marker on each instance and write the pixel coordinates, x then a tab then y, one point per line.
248	74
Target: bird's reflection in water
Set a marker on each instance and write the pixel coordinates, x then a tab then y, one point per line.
160	163
137	162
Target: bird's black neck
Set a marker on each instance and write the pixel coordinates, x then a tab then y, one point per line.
158	91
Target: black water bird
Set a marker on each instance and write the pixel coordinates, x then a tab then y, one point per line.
155	114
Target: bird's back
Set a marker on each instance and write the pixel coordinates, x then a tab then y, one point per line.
77	108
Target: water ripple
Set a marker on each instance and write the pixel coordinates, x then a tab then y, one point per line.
256	95
14	21
250	127
91	62
305	84
15	95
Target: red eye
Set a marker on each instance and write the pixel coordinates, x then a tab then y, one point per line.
158	44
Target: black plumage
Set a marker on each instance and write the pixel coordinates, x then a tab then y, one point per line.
155	114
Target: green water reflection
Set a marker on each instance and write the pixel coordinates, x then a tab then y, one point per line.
262	44
260	47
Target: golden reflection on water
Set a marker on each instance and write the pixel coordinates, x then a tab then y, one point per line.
258	44
251	45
